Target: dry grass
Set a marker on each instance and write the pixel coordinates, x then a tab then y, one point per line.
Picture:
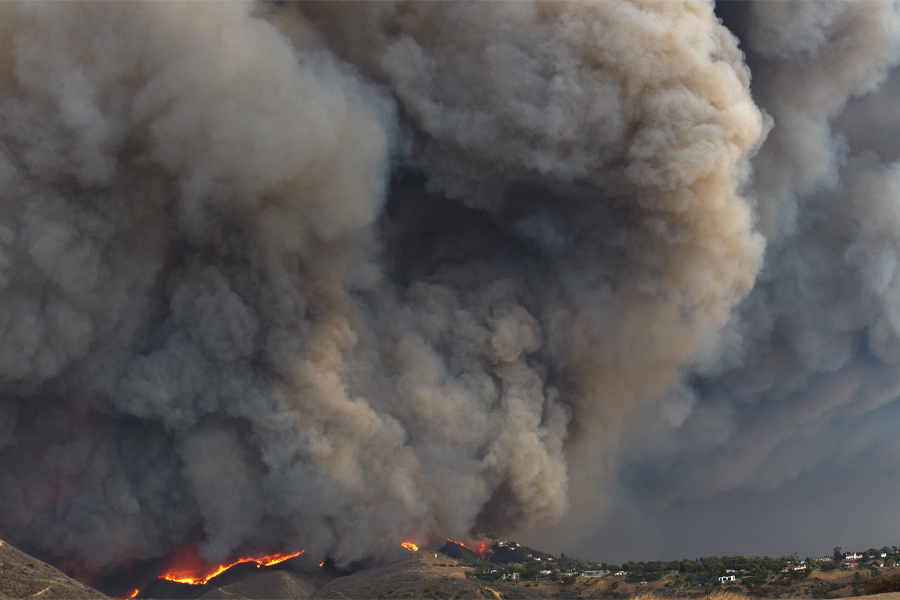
23	576
716	595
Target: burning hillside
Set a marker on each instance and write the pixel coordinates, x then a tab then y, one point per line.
187	566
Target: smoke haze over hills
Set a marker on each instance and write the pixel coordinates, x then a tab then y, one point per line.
335	275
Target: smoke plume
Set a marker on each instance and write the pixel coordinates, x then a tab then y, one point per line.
336	275
804	376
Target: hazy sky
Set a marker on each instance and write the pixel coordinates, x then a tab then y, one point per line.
335	275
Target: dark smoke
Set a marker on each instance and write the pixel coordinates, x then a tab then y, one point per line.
335	275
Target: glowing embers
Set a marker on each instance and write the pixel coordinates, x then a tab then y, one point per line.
480	547
187	566
410	546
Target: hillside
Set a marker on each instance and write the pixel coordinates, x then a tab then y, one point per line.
505	570
23	576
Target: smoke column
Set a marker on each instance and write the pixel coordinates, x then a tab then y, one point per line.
335	275
804	377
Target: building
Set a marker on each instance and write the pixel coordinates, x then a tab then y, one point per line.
726	578
594	573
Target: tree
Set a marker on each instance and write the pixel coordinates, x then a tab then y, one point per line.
838	555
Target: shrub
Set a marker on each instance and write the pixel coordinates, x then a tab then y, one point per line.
881	585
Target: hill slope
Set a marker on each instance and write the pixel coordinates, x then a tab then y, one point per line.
23	576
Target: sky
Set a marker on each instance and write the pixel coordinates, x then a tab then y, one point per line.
615	279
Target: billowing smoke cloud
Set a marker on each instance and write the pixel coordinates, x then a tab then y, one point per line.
333	275
804	376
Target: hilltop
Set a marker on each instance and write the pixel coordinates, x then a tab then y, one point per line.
497	569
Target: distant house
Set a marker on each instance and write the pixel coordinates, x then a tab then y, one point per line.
594	573
726	578
621	573
546	572
852	557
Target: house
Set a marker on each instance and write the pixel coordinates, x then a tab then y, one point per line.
853	556
546	572
726	578
594	573
621	573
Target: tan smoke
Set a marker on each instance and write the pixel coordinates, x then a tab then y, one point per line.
804	375
329	276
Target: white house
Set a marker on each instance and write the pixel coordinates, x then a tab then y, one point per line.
726	578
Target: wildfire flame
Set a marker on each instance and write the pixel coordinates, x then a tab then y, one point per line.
479	547
134	593
410	546
194	570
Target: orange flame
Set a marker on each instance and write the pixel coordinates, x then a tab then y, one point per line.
194	570
410	546
479	547
134	593
321	564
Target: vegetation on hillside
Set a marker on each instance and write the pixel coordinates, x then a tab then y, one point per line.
750	576
880	585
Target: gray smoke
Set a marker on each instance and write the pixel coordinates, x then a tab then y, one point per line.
335	275
803	380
